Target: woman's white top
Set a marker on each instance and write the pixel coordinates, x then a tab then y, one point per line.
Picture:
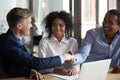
49	47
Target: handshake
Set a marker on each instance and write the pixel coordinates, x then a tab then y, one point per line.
69	58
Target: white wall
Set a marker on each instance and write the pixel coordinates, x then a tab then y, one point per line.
5	7
43	7
22	3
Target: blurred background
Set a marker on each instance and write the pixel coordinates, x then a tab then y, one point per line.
86	14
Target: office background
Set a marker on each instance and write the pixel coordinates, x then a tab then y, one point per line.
86	14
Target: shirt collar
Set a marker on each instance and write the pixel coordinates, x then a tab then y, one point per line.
103	34
21	41
53	38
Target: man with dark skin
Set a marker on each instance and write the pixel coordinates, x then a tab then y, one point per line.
102	42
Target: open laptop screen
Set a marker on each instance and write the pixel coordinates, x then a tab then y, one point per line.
96	70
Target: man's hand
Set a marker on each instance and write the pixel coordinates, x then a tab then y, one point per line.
36	75
71	61
68	56
62	71
116	69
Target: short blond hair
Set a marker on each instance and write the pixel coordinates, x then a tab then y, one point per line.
17	15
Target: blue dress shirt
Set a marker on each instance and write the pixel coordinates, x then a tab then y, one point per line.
95	47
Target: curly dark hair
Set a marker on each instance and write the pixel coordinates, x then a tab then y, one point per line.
66	17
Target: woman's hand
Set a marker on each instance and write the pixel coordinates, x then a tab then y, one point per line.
72	71
36	75
61	71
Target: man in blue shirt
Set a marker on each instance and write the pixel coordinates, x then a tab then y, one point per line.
15	60
103	42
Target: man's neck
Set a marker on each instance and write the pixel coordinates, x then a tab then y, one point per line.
17	33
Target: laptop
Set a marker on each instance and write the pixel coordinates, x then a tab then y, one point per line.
95	70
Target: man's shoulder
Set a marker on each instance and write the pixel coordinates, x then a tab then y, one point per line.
6	39
94	30
3	34
3	37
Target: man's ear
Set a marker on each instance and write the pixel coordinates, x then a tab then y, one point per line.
19	25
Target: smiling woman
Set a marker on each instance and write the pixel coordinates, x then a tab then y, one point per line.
58	25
